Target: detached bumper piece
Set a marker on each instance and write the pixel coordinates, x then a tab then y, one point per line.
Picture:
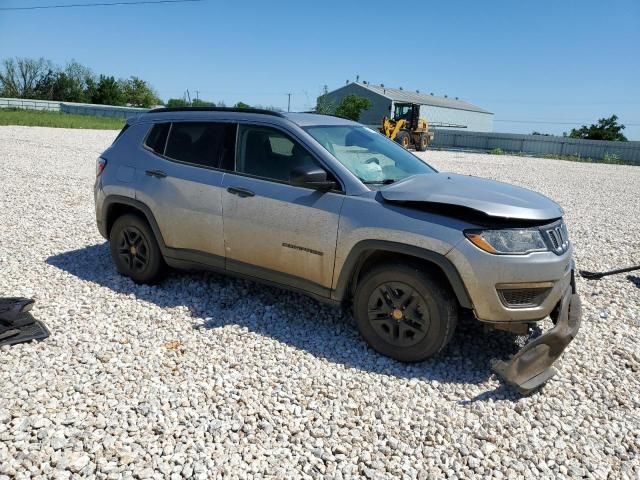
532	366
17	325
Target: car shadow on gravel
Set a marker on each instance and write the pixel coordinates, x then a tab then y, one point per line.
216	301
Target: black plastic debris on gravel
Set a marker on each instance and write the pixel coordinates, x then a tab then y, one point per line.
17	325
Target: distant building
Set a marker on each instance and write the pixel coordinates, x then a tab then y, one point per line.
441	112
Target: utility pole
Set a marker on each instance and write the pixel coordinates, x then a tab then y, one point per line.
197	92
188	96
289	102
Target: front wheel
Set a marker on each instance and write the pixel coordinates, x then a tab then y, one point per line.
403	138
404	313
135	251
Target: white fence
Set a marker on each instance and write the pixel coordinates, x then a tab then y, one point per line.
101	110
29	104
71	107
537	144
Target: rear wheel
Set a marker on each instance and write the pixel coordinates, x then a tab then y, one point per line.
403	138
404	313
135	251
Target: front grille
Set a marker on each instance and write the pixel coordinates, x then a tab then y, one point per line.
557	237
523	297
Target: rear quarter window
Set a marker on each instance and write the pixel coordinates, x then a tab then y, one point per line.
157	138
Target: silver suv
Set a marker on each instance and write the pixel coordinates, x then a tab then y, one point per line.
333	209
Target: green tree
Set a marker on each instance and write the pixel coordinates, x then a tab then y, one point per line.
70	85
352	106
107	91
78	78
202	103
177	102
605	129
197	102
19	76
138	93
241	105
323	104
47	86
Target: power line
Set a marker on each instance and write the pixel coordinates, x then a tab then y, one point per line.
103	4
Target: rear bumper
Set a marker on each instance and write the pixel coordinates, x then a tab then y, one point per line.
532	366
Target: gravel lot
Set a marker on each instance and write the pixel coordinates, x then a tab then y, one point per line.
206	376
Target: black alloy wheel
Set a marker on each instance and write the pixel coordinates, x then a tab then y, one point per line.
133	249
404	311
398	314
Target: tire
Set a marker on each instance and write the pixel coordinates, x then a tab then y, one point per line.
135	251
423	142
403	138
388	327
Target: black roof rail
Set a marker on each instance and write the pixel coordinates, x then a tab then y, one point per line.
217	109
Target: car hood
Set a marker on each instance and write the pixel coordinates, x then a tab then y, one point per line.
491	198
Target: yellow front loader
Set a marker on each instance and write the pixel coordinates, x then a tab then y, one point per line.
407	128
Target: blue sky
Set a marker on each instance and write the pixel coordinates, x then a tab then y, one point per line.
535	61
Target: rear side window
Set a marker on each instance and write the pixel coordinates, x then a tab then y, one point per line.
206	144
157	138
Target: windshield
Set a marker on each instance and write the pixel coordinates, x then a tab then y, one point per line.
373	158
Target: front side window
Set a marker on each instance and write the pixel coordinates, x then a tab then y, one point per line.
373	158
268	153
206	144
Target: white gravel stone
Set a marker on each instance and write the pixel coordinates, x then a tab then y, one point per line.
205	376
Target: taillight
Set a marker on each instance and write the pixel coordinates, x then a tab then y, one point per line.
101	163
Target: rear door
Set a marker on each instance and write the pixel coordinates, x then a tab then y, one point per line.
274	230
181	182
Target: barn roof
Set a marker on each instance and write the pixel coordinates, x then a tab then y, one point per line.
397	95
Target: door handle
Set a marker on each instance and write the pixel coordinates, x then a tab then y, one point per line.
156	173
241	192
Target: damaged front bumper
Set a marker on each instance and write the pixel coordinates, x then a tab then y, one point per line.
532	366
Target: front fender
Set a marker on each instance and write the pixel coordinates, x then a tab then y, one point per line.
361	250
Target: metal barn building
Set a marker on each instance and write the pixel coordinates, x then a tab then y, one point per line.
441	112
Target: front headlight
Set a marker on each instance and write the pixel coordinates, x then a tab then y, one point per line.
509	241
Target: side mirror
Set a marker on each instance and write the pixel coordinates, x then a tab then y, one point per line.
311	177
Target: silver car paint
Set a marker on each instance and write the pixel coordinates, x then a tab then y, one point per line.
368	217
253	232
482	271
496	199
120	180
282	228
187	203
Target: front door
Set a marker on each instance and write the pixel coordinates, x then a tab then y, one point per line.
274	230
